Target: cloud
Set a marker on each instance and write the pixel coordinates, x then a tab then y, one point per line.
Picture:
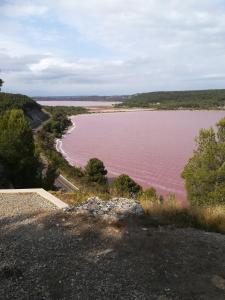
22	9
112	47
141	26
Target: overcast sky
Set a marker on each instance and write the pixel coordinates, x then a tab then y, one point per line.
108	47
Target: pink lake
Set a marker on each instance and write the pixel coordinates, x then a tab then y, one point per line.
150	146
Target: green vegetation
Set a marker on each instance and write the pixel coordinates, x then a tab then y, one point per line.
45	140
66	110
96	172
150	194
1	84
209	99
19	158
12	101
59	121
57	125
205	172
123	185
17	149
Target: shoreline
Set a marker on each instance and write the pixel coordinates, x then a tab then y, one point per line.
109	109
58	142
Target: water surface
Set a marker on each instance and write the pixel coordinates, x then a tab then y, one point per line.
151	146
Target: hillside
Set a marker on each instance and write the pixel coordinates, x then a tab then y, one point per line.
32	109
208	99
81	98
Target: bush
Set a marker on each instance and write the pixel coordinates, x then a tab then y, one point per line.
150	193
123	185
95	171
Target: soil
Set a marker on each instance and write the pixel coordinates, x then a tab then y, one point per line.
59	255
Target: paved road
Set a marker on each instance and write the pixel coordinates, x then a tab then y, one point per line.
65	184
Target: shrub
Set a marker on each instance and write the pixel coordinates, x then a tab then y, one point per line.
150	194
123	185
95	171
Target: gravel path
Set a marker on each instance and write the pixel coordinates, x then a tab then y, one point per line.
17	204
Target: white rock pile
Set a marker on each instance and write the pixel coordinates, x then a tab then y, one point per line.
114	209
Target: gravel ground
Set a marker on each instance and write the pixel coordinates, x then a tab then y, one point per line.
59	255
22	203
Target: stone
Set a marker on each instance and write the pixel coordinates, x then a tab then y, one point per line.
114	209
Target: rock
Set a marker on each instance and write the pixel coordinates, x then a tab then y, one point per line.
219	282
114	209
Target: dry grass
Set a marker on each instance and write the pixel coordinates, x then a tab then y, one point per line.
171	212
79	196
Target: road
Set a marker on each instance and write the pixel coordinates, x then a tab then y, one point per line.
64	184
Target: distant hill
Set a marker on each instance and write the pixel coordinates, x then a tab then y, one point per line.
82	98
205	99
31	108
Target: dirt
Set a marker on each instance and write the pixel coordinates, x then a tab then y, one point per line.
58	255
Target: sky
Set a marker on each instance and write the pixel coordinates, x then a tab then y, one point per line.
111	47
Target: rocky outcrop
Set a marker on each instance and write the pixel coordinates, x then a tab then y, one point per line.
36	116
114	209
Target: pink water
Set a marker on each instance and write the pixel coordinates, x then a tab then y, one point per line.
76	103
151	146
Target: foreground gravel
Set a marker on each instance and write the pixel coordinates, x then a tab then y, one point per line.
62	255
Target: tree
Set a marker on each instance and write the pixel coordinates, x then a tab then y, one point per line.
204	174
95	171
17	149
123	185
1	83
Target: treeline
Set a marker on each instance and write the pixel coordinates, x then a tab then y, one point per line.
208	99
65	110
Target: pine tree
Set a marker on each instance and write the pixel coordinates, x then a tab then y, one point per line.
17	149
204	174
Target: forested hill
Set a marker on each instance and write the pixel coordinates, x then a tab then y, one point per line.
206	99
31	108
